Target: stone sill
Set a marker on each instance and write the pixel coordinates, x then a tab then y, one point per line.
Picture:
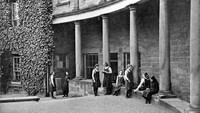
16	84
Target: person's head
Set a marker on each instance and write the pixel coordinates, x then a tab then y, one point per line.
152	79
145	76
97	66
53	73
106	64
67	73
129	66
120	72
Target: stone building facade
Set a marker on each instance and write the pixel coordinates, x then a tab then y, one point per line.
154	36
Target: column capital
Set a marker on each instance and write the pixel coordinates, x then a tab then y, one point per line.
77	22
104	16
132	8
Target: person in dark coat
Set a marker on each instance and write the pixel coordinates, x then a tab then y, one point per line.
52	85
66	85
95	79
107	81
128	77
154	88
119	83
144	83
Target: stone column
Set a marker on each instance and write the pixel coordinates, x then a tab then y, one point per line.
194	106
164	49
78	49
105	35
76	5
134	44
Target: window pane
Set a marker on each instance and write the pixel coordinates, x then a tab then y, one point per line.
16	69
113	56
91	60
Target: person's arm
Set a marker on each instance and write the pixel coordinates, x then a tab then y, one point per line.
109	70
141	82
125	76
93	72
117	80
52	81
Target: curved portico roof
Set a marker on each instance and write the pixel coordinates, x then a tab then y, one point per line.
94	11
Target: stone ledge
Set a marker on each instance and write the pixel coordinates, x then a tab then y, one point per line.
19	99
174	104
84	87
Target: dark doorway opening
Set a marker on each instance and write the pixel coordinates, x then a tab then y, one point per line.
114	65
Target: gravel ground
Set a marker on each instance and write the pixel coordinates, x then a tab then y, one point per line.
88	104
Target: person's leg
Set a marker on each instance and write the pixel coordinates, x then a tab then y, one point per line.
127	95
52	95
64	93
67	92
95	91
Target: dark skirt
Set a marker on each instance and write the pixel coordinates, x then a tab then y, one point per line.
66	86
128	85
52	88
107	81
96	84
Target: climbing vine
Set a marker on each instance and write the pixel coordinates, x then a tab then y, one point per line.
32	39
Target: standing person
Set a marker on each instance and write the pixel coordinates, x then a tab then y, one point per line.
52	85
107	81
144	83
119	83
128	77
95	79
154	88
66	85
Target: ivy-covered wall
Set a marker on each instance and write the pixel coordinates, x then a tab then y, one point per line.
31	39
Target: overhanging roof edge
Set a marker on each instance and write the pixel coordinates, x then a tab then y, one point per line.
95	13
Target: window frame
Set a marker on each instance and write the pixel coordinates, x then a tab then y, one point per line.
91	67
126	59
18	68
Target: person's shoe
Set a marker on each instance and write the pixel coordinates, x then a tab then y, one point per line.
63	95
66	96
53	97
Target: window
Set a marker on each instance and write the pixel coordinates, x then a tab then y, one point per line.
15	13
126	59
62	61
16	69
89	62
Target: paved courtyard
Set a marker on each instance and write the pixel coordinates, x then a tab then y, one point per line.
89	104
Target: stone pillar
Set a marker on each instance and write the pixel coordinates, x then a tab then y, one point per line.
164	49
134	44
105	35
76	5
194	106
78	49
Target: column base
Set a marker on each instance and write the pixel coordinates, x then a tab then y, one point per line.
192	110
78	78
166	94
47	95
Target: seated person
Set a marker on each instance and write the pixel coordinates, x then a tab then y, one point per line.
144	83
119	83
154	88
